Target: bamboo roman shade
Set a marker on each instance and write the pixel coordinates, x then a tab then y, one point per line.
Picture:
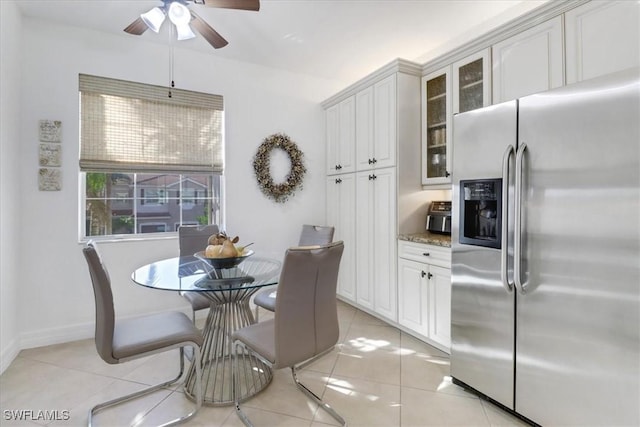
135	127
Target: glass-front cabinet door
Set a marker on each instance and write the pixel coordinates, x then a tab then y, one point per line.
436	132
471	82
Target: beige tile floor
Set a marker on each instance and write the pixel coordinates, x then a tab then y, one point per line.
377	376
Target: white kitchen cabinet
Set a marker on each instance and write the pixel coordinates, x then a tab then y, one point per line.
386	183
341	137
602	37
385	112
375	239
439	307
472	82
376	125
364	129
341	213
424	292
459	87
413	296
436	128
529	62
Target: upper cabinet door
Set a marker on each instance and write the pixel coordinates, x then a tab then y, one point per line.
529	62
384	137
471	82
364	129
601	38
341	137
376	125
436	132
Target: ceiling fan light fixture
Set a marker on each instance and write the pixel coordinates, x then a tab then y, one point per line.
185	32
179	14
154	19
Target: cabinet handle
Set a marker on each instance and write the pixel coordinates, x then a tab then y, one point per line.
423	273
447	174
370	161
374	161
339	167
370	177
338	181
426	253
374	176
429	276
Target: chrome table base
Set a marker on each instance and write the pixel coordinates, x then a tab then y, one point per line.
229	311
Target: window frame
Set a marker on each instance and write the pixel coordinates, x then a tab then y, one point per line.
171	226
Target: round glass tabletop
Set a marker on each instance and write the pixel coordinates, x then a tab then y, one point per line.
192	274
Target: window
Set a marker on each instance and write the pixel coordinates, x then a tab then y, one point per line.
154	196
148	162
121	204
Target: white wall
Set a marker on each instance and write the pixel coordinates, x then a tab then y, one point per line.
56	301
11	23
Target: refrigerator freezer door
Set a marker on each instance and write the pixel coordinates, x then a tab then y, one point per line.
577	337
482	309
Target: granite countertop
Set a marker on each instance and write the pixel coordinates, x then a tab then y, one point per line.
428	238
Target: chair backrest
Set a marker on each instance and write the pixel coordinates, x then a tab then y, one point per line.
316	235
194	238
306	316
105	315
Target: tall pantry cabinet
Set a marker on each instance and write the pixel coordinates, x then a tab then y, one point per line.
386	144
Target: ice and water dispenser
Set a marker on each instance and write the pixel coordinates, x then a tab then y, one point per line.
480	212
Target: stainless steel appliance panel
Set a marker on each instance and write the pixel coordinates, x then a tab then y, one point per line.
577	336
482	309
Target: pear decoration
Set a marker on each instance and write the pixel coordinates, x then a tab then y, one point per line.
221	246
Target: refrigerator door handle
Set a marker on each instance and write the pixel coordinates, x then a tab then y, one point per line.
517	238
504	267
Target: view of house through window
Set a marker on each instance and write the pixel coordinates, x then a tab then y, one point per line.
133	203
149	162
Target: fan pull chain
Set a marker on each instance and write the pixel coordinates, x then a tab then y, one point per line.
173	84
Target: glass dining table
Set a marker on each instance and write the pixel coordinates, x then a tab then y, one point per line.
229	291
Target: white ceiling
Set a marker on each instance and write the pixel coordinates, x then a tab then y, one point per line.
335	39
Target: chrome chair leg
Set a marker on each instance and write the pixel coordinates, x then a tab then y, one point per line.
235	377
316	399
126	398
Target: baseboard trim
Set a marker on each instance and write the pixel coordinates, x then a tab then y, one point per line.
59	335
51	336
8	355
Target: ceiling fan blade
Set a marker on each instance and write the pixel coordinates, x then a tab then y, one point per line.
211	35
233	4
137	27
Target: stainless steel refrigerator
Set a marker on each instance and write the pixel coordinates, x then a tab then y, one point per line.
546	253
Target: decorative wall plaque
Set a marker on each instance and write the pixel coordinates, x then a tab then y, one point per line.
50	130
50	179
50	154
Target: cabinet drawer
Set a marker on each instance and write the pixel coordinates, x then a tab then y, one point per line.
430	254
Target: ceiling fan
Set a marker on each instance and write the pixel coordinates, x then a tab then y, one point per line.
183	17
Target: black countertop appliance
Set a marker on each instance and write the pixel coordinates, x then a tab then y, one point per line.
439	217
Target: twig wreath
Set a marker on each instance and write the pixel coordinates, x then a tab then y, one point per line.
261	165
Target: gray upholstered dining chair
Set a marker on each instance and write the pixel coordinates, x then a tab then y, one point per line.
192	239
119	341
310	235
305	324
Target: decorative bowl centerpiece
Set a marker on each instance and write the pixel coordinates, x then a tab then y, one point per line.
220	263
221	252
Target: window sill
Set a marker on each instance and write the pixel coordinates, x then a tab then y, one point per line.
130	238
